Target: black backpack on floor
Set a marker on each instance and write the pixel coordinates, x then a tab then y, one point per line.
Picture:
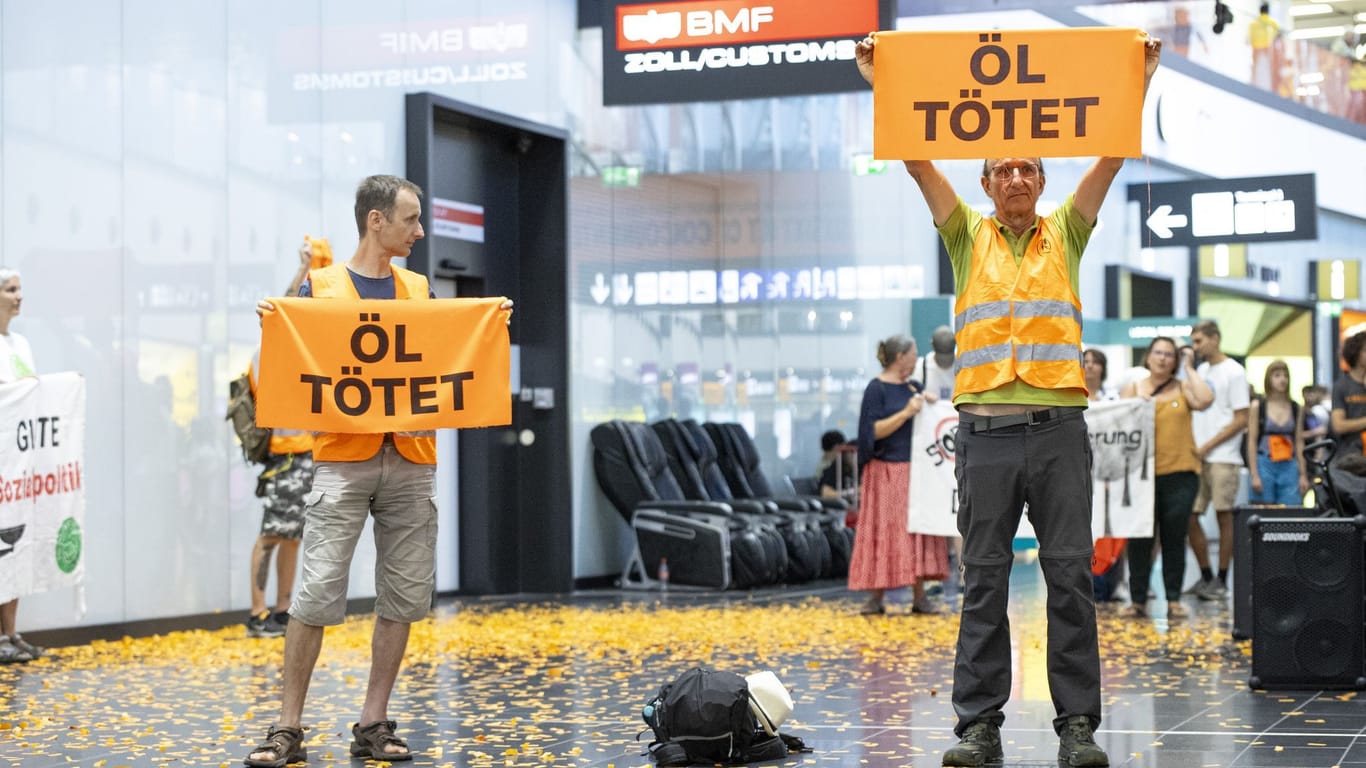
704	717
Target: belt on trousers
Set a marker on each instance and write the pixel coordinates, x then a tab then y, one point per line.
979	423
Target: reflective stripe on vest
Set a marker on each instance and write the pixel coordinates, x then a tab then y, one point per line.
334	282
1018	320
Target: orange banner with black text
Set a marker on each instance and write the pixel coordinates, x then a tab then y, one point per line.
365	366
1008	93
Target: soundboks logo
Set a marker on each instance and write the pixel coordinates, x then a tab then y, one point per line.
1273	536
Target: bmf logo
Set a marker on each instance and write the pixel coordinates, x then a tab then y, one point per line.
653	26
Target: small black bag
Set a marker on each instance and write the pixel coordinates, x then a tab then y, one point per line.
704	717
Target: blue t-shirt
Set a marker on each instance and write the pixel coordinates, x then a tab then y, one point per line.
881	400
367	287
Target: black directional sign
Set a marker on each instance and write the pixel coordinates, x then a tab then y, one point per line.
1252	210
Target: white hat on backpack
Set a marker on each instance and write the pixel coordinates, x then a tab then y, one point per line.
769	700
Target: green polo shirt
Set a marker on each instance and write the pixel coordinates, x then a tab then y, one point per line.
959	232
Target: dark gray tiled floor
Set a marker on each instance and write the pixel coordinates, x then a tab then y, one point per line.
1174	696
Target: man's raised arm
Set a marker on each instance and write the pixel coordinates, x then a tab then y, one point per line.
934	186
1095	183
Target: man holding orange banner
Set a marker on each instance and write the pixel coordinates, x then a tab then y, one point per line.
375	451
1020	391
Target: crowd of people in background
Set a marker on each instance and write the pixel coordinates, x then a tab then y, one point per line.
1219	441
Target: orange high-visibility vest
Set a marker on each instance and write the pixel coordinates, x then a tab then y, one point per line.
1018	320
418	447
281	440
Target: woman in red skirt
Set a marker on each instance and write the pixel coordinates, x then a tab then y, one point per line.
886	556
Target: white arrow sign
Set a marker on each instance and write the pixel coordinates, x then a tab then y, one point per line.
621	289
1162	222
600	290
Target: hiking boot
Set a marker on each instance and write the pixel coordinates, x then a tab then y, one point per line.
264	625
1214	591
1077	745
980	744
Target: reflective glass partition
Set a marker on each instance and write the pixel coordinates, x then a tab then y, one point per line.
729	261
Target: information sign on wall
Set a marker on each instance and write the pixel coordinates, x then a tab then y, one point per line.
712	50
1247	210
457	220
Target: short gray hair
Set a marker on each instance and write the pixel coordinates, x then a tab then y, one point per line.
7	274
379	193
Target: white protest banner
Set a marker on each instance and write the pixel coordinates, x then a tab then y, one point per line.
1121	433
934	488
42	493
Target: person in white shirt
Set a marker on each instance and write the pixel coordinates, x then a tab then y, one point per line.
16	362
936	368
1218	439
936	374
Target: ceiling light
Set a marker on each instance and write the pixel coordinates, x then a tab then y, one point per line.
1316	32
1311	9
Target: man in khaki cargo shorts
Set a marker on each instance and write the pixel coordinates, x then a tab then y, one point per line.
1218	437
385	476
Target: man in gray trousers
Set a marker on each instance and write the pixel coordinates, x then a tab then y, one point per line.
1020	393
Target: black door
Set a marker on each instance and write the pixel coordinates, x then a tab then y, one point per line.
495	215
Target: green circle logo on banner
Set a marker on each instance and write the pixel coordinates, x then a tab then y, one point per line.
68	545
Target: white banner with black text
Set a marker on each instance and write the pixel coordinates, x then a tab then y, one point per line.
1121	433
42	492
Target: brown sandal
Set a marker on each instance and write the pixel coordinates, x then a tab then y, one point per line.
286	743
372	739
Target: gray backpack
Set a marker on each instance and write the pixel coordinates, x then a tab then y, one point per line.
242	413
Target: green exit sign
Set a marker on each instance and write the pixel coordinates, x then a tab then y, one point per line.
865	165
621	176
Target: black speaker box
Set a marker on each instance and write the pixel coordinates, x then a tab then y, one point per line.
1307	594
1242	561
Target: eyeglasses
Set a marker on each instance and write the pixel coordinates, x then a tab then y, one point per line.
1027	171
1162	353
